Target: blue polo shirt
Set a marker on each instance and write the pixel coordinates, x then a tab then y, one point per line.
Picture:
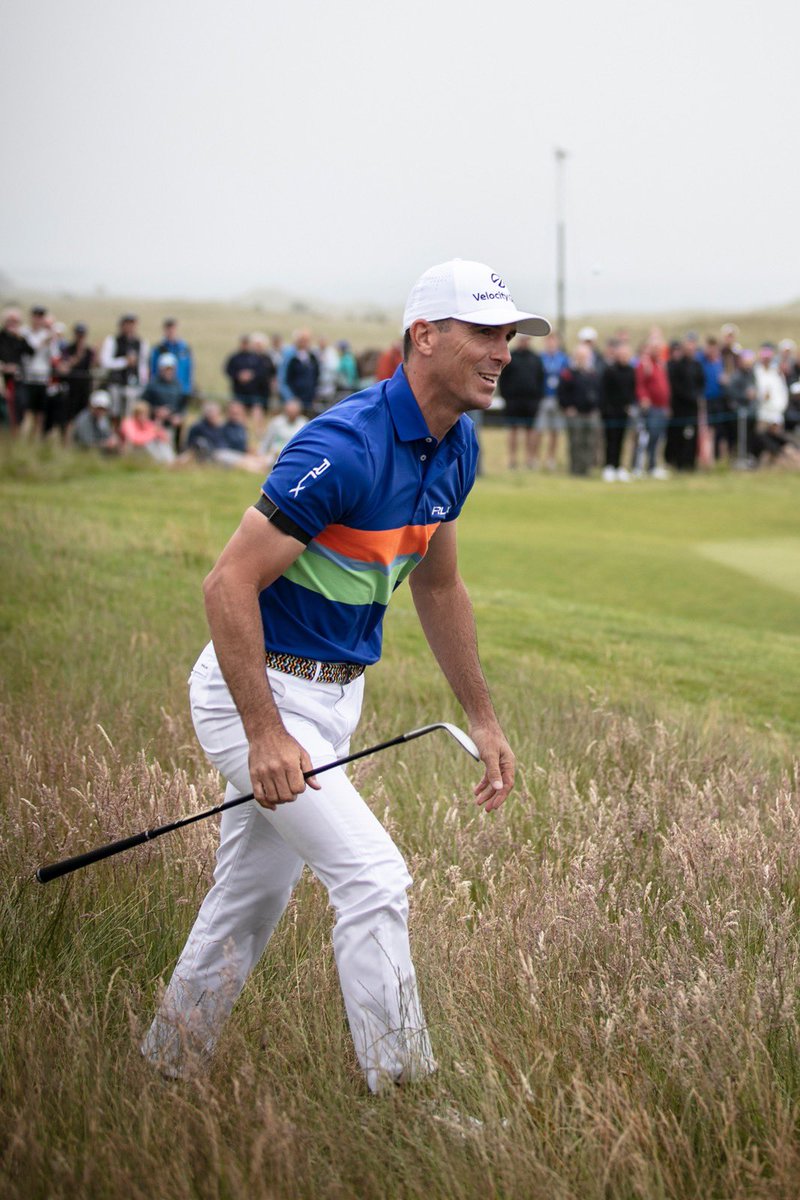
370	484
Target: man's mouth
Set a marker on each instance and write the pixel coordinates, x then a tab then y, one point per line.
492	379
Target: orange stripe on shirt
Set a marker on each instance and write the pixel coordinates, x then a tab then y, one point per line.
377	545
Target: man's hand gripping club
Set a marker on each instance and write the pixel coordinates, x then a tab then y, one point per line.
277	763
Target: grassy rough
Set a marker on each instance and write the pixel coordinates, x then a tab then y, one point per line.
610	967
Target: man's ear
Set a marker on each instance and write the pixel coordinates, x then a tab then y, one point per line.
423	334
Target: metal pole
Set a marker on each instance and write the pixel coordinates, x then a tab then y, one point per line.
561	246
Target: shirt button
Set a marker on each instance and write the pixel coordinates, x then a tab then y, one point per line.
422	457
428	439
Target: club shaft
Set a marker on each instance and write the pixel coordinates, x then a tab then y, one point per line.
68	865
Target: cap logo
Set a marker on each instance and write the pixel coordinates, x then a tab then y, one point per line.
479	297
498	281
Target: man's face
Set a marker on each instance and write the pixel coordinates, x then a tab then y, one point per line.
236	412
129	328
466	361
170	331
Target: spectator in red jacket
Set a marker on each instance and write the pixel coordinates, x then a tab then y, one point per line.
389	361
653	399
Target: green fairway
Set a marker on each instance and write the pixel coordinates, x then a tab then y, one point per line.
638	592
774	561
610	966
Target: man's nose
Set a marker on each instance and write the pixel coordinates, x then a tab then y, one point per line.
502	351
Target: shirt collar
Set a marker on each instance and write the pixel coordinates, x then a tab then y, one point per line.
408	420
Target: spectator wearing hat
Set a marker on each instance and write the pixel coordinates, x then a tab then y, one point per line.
579	397
181	351
165	396
588	336
124	356
75	368
92	429
13	349
37	367
521	384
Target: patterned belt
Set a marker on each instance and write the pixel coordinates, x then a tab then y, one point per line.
309	668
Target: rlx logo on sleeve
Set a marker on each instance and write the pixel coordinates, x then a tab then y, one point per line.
314	473
439	510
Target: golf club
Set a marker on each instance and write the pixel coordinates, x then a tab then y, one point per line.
67	865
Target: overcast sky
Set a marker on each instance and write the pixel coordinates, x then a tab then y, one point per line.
335	150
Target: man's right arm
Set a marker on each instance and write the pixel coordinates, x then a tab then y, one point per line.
257	554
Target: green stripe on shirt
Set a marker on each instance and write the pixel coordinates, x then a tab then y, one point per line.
332	581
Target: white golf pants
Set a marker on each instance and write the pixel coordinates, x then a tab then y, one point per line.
260	857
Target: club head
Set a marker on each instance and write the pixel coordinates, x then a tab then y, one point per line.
464	741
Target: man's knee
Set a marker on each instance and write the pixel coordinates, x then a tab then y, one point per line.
379	886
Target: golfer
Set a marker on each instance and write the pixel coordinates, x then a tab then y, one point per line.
363	496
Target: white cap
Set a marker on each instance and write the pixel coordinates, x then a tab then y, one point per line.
167	360
587	334
100	400
467	291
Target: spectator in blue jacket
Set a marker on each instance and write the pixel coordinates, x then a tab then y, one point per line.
182	352
721	420
549	417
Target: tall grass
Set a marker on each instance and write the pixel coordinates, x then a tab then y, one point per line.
610	966
610	971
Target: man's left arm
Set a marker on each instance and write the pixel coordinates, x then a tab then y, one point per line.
445	612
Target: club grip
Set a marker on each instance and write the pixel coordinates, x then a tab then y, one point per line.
56	870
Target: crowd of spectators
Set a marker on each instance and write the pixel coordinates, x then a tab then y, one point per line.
129	396
674	405
625	411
